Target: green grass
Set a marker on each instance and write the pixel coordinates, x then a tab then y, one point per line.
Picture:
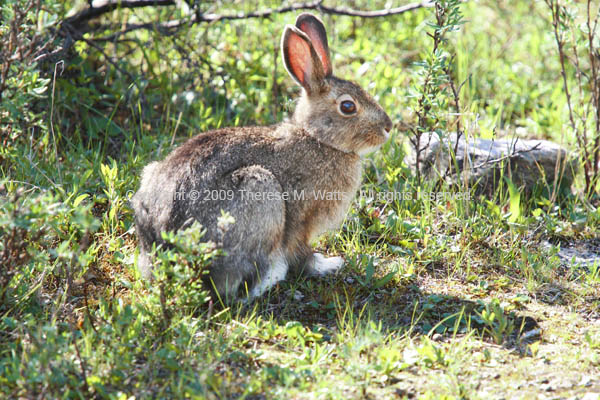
458	299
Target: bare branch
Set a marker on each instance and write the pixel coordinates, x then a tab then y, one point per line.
375	14
111	60
509	156
74	27
76	21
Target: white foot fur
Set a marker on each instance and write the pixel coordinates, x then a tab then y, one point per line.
323	265
276	273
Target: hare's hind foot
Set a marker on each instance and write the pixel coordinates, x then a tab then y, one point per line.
276	273
318	265
321	265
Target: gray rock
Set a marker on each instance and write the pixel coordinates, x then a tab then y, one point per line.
483	162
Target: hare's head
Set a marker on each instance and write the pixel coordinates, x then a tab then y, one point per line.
337	112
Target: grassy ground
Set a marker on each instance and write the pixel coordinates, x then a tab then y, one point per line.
453	299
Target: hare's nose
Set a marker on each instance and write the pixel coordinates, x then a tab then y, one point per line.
388	124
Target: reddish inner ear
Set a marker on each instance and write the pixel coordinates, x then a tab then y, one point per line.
319	41
300	61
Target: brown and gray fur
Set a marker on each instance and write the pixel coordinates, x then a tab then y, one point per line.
318	150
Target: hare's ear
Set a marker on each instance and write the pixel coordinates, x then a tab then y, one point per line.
315	30
301	59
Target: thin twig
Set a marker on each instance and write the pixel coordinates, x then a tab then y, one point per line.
374	14
83	366
581	140
87	307
594	84
62	64
507	156
113	62
456	97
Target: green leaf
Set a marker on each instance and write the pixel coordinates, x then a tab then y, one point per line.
79	199
383	281
514	201
369	270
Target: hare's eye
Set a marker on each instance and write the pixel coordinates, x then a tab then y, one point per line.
347	107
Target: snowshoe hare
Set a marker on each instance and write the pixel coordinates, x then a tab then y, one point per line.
284	185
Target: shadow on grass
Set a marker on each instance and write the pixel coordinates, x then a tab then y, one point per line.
400	309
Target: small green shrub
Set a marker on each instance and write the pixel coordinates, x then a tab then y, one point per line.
179	268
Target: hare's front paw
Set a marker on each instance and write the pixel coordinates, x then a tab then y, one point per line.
323	265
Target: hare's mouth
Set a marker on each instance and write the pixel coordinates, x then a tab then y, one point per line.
373	144
385	134
367	150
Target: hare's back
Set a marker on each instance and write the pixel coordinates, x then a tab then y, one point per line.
198	165
214	152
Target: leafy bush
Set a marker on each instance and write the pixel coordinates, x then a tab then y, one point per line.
578	43
180	269
42	238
